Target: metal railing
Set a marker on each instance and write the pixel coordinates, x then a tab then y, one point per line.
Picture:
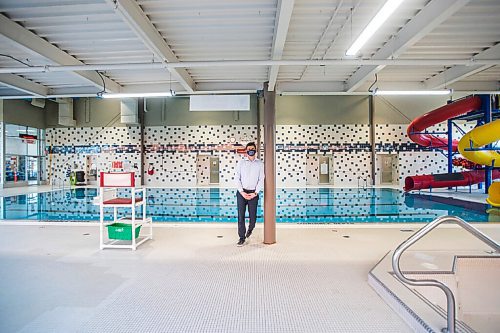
450	298
364	183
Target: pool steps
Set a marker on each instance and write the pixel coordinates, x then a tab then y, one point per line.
472	276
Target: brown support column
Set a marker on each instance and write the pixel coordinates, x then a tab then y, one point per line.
371	122
269	166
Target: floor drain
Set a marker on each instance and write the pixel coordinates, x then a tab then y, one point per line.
219	236
406	230
86	234
334	230
345	236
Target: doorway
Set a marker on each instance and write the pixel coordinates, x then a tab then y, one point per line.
214	170
324	170
387	168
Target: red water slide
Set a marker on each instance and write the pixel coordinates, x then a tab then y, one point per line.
416	134
439	115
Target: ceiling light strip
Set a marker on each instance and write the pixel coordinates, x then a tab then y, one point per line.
383	14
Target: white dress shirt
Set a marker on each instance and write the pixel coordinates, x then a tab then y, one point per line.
250	175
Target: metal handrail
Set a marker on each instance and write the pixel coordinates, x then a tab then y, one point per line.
450	298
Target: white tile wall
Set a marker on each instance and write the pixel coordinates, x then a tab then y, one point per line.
350	162
290	169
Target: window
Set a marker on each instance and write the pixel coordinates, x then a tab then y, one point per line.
24	152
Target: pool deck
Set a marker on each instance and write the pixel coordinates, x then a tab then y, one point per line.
195	279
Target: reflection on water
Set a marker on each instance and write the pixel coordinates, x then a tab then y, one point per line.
311	205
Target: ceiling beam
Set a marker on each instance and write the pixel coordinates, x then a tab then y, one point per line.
309	86
433	14
283	16
24	85
137	20
325	33
35	45
457	73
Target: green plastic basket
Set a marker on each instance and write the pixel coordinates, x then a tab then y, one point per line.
122	231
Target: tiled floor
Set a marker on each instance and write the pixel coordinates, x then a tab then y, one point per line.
194	279
54	279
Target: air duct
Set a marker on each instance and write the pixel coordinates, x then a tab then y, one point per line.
38	102
66	112
128	110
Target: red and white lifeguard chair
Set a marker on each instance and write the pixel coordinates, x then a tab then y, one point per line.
125	231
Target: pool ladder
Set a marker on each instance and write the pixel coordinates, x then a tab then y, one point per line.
450	298
364	183
60	182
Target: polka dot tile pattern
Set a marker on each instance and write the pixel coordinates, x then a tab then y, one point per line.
349	167
93	135
312	170
227	168
342	133
290	169
203	170
348	143
391	134
177	169
205	134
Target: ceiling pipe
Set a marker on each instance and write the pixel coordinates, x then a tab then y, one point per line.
281	93
233	63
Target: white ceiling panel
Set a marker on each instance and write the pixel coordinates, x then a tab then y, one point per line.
103	33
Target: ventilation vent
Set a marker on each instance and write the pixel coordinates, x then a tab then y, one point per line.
66	112
128	109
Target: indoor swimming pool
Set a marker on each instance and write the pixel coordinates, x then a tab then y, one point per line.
304	205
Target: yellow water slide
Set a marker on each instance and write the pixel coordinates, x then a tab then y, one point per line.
477	138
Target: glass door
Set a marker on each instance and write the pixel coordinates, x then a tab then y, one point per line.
24	155
32	170
15	169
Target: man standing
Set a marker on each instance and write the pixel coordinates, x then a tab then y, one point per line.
250	181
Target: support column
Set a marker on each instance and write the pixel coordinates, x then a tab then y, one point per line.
486	106
371	123
140	111
259	139
269	166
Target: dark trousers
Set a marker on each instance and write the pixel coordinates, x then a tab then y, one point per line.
252	213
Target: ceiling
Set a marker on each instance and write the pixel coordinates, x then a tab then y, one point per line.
54	48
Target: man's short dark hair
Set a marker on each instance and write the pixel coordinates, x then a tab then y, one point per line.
251	144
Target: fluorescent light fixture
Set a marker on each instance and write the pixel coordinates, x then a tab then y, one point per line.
382	15
412	92
130	95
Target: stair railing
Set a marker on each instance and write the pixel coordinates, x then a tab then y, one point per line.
450	298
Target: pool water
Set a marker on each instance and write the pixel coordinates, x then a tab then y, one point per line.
305	205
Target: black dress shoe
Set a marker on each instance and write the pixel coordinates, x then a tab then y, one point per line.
241	242
249	233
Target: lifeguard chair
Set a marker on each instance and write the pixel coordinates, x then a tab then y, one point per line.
125	231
